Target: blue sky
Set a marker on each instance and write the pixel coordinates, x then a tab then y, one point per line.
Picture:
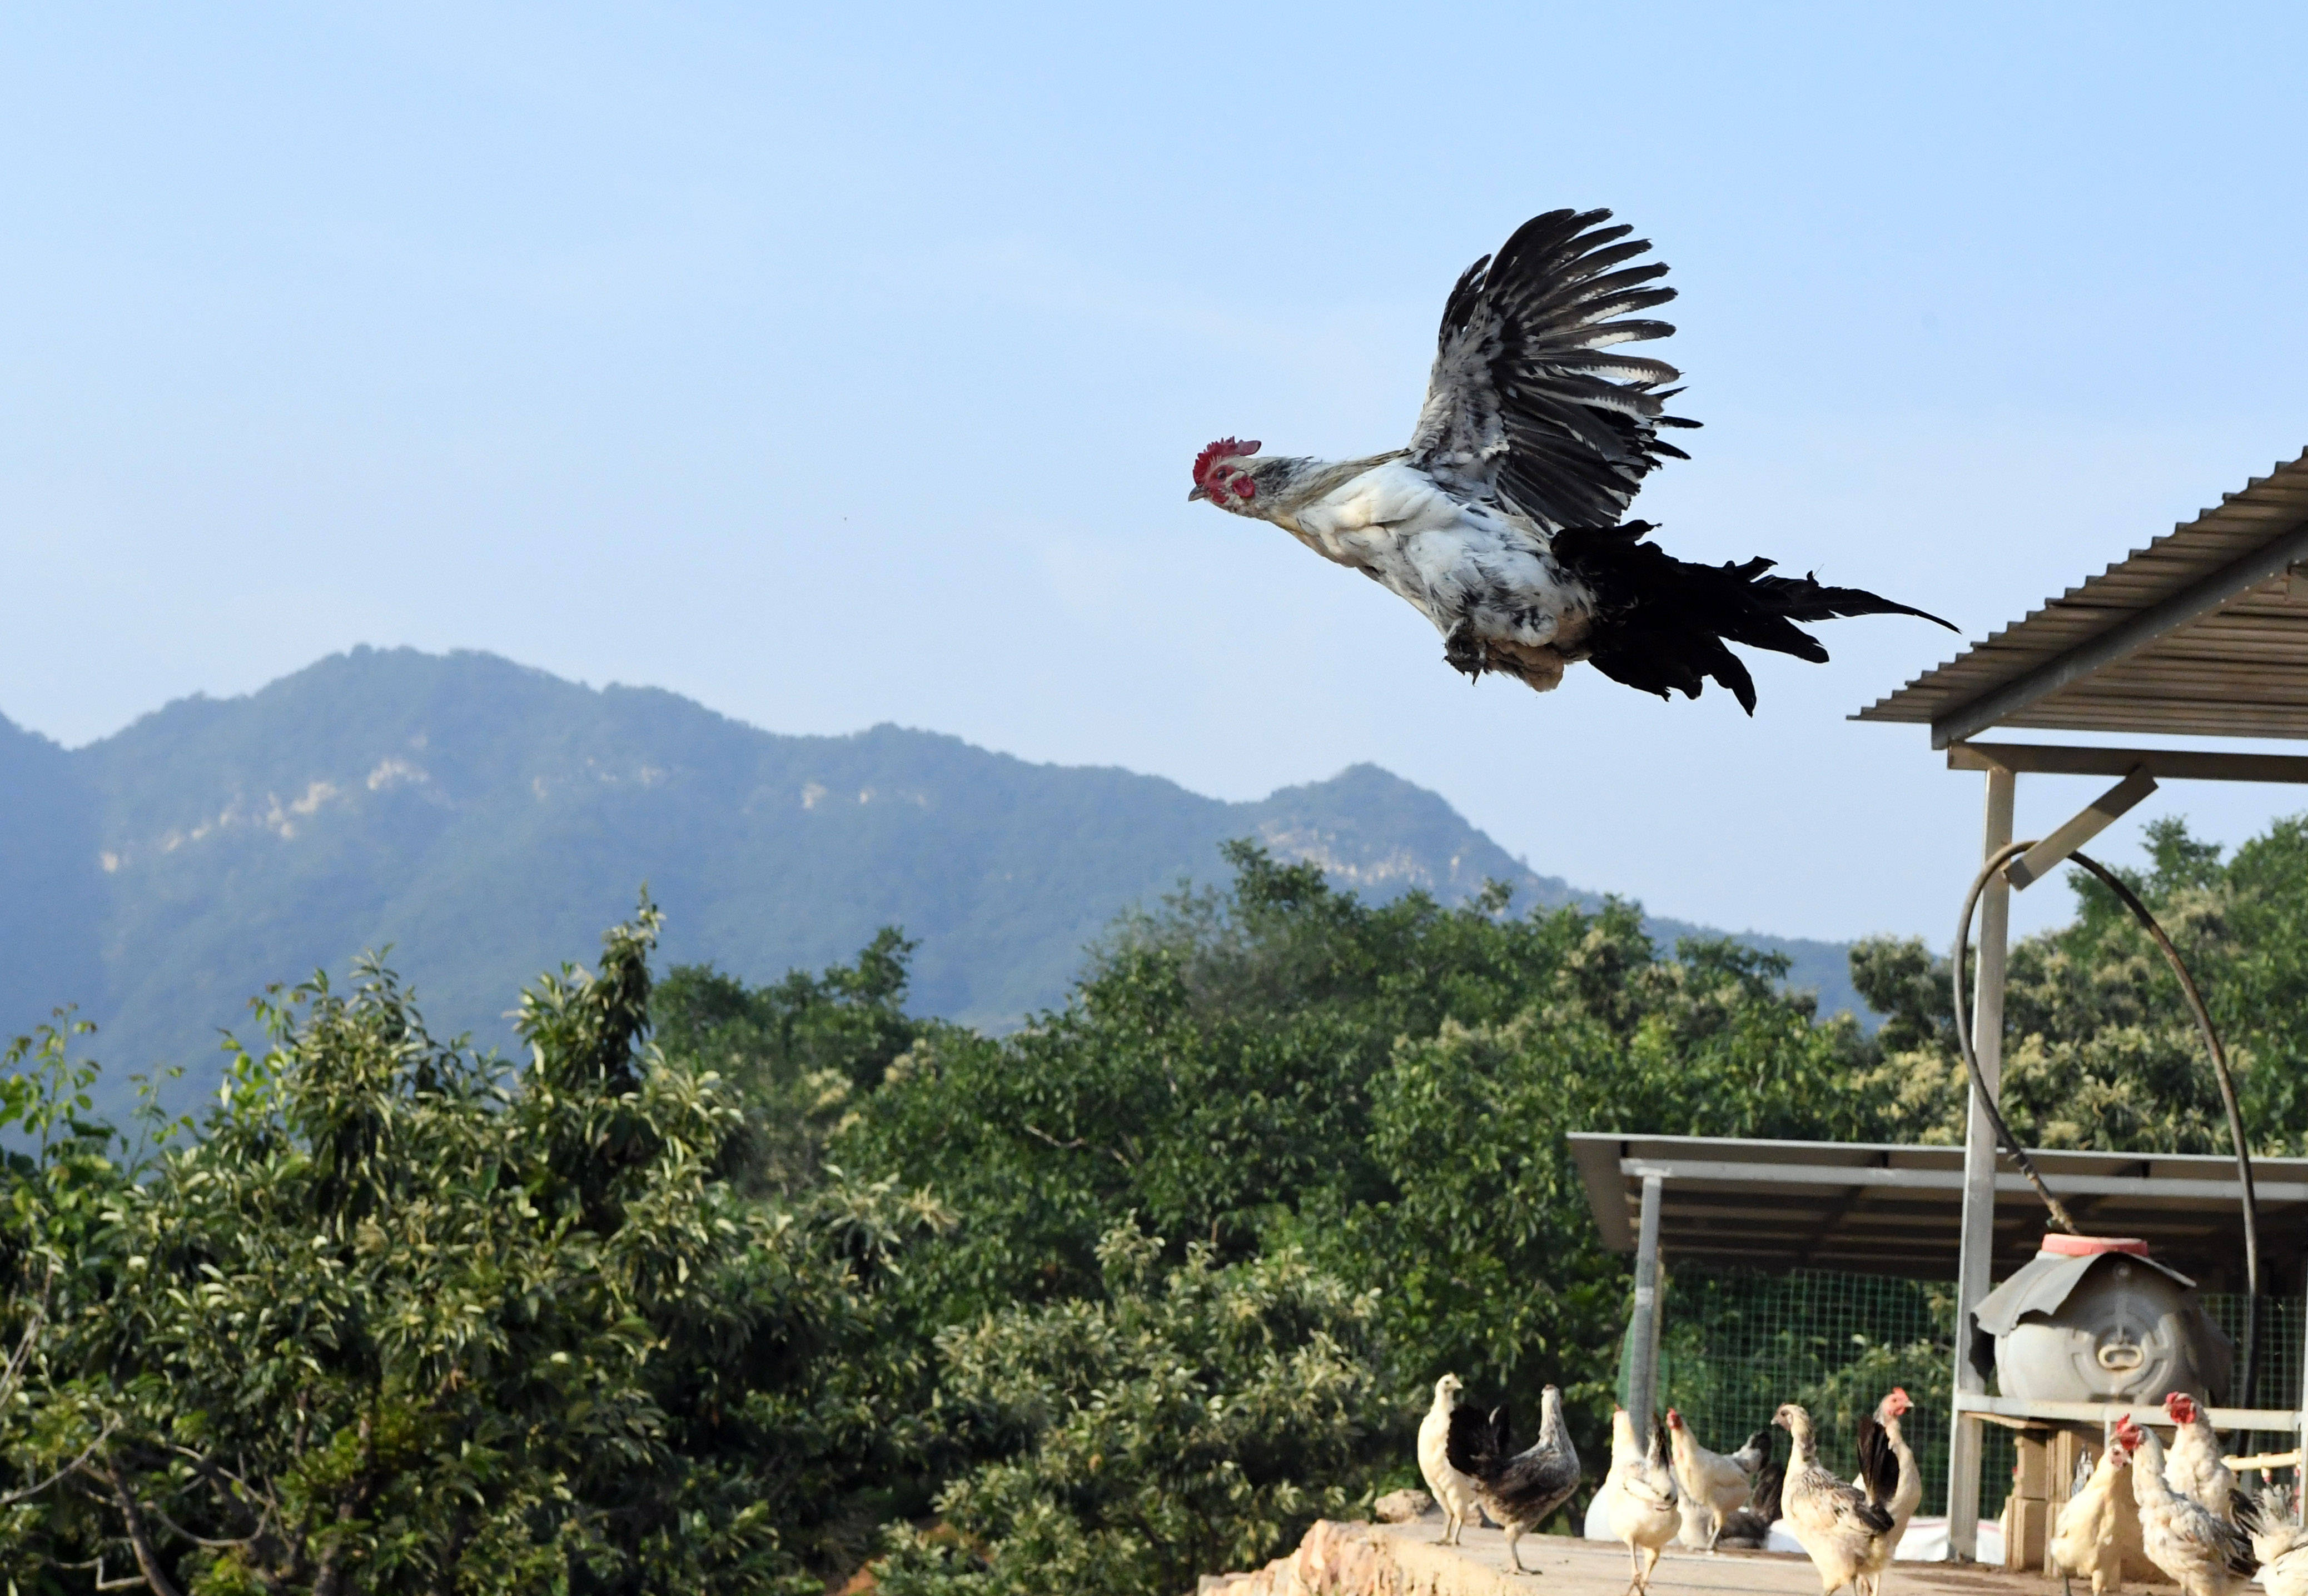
844	365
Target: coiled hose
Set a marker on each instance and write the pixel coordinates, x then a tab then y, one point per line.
2010	1144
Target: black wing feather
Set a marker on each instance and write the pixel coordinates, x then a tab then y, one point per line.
1523	404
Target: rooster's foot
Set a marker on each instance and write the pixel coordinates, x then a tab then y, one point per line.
1463	651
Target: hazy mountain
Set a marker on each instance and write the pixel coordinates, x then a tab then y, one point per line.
487	820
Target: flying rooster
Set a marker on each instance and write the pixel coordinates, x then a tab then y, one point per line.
1501	522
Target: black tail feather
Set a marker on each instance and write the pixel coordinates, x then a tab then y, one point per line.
1879	1465
1661	623
1477	1446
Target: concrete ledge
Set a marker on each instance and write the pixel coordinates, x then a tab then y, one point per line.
1360	1559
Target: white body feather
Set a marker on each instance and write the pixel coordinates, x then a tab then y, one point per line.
1452	560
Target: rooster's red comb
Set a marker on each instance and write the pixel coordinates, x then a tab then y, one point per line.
1225	449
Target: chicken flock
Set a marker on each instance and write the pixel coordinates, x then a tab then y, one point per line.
2192	1519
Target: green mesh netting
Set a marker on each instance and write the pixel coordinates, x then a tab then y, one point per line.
1734	1345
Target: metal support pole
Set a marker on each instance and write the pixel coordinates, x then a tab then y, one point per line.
1979	1178
2300	1401
1643	1329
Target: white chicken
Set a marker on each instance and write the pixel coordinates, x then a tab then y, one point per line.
1454	1492
1711	1484
2194	1466
2201	1552
1639	1496
1890	1476
1846	1534
2086	1539
2278	1540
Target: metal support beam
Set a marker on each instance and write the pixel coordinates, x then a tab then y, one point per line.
2107	1413
1642	1327
2300	1505
2165	764
1979	1178
2191	603
2094	817
2139	1187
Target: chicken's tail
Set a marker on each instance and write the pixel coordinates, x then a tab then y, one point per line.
1476	1444
1661	623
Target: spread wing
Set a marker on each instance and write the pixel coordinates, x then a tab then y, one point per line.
1527	400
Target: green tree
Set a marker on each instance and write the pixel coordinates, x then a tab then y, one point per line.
1383	1087
2100	1049
798	1052
1177	1421
397	1318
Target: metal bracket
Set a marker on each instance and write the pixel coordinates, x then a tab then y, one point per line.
2096	817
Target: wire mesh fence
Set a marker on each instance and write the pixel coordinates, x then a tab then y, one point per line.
1734	1345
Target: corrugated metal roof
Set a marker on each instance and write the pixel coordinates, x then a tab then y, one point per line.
2203	632
1886	1209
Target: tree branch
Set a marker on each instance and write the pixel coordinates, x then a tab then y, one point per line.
140	1537
14	1496
12	1375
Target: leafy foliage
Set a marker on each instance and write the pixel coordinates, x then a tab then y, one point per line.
1382	1087
1181	1420
798	1051
736	1288
2099	1050
398	1319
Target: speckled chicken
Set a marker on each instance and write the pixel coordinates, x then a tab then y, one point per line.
1520	1489
2199	1550
1846	1534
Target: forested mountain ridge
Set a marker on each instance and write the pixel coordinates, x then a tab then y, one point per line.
482	817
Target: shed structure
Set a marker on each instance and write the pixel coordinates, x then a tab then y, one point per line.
2202	634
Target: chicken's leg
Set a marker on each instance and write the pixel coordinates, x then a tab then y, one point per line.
1514	1534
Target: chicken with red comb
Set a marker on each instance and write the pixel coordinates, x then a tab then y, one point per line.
1502	522
2201	1552
2194	1465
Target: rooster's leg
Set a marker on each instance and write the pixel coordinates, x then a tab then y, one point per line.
1449	1523
1514	1534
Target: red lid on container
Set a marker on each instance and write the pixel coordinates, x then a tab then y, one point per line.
2084	1247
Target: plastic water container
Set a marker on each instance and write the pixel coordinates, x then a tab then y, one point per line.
2094	1318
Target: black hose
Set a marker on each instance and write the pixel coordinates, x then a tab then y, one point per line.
1987	1098
2218	1054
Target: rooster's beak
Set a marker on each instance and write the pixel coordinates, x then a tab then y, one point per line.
1197	494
